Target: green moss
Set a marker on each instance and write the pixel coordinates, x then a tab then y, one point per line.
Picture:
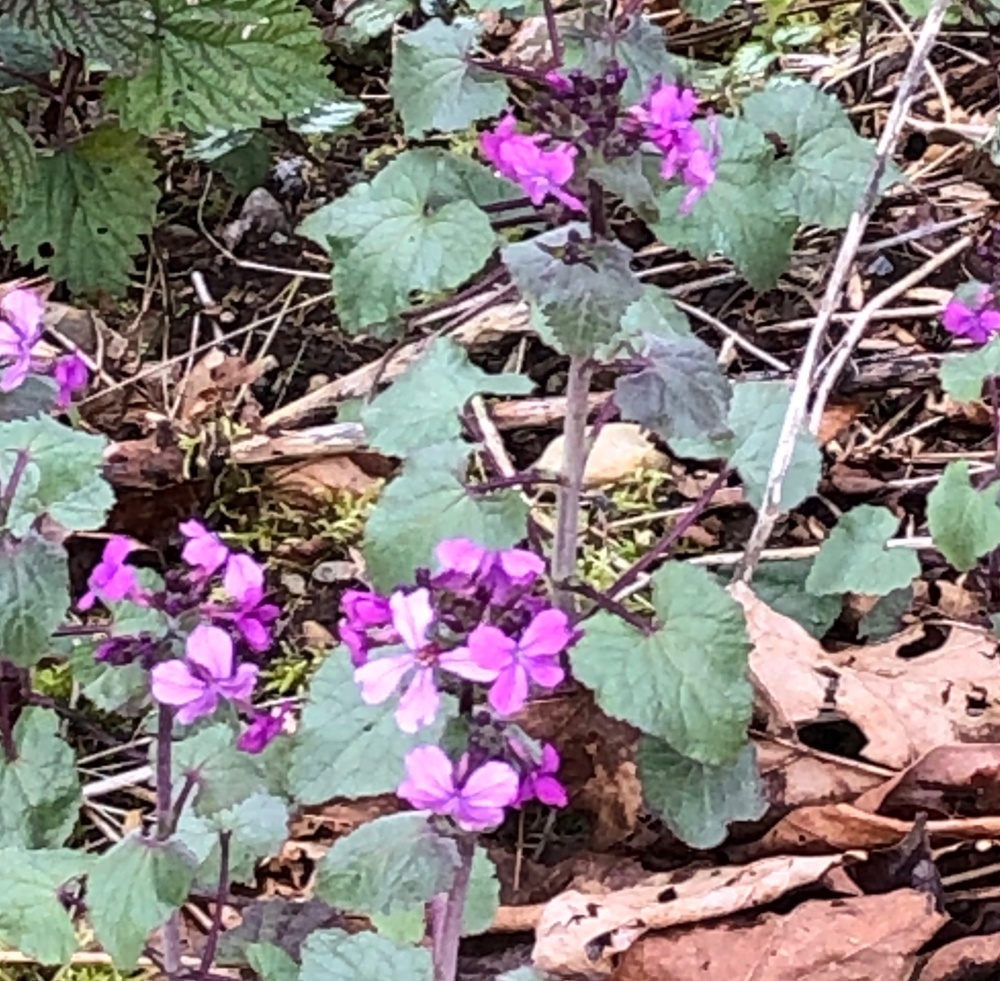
81	972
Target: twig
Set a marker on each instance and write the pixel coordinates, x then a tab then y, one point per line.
737	338
798	406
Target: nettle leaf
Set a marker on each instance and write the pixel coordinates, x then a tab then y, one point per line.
796	112
34	597
132	889
39	790
429	502
245	165
963	375
682	393
582	302
628	178
781	585
333	955
84	215
64	478
423	406
404	231
964	522
687	681
435	85
271	963
24	51
392	864
258	828
18	162
345	748
744	215
32	918
698	801
271	49
654	313
856	559
483	898
368	19
332	115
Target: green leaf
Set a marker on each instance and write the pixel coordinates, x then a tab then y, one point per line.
272	47
427	503
627	178
344	748
855	558
963	375
423	406
332	115
132	889
483	898
271	963
744	215
781	585
64	478
281	923
796	112
682	393
698	801
882	621
39	790
391	864
34	597
84	215
248	162
333	955
583	301
434	83
24	51
32	919
36	395
654	313
687	681
18	162
964	522
368	19
404	231
707	10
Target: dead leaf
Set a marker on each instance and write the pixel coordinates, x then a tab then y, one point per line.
583	934
836	418
963	960
620	449
313	482
212	384
863	938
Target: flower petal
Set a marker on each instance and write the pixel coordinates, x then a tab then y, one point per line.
210	648
429	782
239	688
491	648
510	691
172	683
548	634
460	555
243	579
412	616
199	708
484	795
461	662
419	703
381	676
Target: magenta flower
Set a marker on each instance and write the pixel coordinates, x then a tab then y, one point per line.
474	800
521	159
264	729
71	375
464	562
540	781
20	331
204	551
111	579
365	611
243	580
534	657
978	321
195	683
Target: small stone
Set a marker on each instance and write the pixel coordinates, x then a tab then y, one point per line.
621	448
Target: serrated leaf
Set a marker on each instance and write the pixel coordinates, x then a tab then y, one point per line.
427	503
39	790
132	889
626	178
84	215
344	748
963	375
855	559
34	597
654	313
744	215
406	230
32	919
272	48
687	681
483	898
392	864
282	923
434	83
244	165
18	162
964	522
23	51
64	477
271	963
423	406
781	586
796	112
697	801
682	393
331	115
333	955
582	302
368	19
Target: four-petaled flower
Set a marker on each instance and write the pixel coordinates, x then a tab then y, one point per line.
204	551
111	580
474	799
243	581
464	562
264	728
20	331
364	611
978	321
195	683
71	375
539	782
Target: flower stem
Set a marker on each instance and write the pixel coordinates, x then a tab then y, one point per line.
16	473
212	942
554	36
447	913
7	710
165	827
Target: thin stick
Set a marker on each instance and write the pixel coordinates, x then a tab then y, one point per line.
798	406
212	942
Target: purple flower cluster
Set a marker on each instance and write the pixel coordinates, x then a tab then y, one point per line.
978	319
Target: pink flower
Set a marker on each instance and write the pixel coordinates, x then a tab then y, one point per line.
463	563
204	551
243	580
534	657
475	800
978	321
20	331
540	781
195	683
71	375
365	610
264	729
112	580
521	159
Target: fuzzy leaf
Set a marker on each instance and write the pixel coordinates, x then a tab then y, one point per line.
271	963
34	597
368	19
963	375
282	923
855	559
332	115
36	395
654	313
435	85
333	955
687	681
781	585
84	215
698	801
627	178
964	522
707	10
796	112
483	898
18	162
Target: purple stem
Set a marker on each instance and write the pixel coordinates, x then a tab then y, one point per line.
10	491
527	479
7	672
609	605
513	71
447	913
554	36
165	827
212	942
512	204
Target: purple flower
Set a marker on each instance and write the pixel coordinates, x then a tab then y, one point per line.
20	331
534	657
243	580
204	551
475	800
978	321
539	782
365	610
264	729
112	580
195	683
464	563
521	159
71	375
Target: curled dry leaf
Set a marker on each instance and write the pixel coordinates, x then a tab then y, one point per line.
856	939
582	935
212	384
966	958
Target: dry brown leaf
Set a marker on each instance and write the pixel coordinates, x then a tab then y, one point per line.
966	958
863	938
213	382
620	449
583	934
836	418
312	482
